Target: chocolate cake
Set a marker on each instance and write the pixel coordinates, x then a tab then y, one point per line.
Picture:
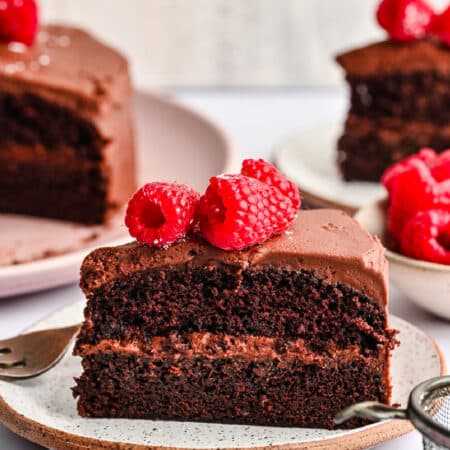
66	142
287	332
400	102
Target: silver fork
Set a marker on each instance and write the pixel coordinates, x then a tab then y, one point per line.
32	354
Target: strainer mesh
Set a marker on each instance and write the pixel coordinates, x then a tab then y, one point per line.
437	406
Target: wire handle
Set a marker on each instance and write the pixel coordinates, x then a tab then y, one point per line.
373	411
428	410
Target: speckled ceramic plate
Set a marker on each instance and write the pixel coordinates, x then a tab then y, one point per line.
173	143
43	410
309	159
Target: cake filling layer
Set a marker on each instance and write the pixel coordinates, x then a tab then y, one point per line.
214	346
269	302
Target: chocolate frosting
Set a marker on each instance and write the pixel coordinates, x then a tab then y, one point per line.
329	242
64	64
390	57
219	346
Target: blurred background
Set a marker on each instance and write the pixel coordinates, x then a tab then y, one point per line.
227	43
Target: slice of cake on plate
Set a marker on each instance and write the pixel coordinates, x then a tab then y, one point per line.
66	141
400	94
232	310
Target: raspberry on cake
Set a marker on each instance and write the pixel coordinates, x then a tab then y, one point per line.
18	21
161	213
237	211
286	331
405	20
66	141
268	174
399	91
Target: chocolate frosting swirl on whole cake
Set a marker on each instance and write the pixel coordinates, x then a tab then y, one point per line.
69	61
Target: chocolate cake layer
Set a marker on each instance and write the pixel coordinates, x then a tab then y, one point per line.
273	389
368	145
284	333
420	96
267	301
66	141
29	121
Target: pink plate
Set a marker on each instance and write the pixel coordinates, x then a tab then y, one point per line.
174	144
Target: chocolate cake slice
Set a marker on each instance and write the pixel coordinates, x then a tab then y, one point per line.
287	332
66	141
400	102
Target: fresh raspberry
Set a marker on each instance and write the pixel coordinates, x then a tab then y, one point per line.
415	190
18	21
161	213
426	155
440	26
412	192
268	174
440	166
426	236
405	20
237	211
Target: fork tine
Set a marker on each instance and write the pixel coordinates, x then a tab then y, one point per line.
9	357
11	360
5	345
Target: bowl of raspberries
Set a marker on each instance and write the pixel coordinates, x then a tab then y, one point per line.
413	223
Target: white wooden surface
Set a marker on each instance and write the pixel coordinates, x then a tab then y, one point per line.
226	42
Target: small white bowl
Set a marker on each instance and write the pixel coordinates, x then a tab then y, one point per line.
426	284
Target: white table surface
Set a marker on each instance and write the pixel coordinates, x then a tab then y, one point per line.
257	121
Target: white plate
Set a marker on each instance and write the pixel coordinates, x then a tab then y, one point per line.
309	159
43	410
174	144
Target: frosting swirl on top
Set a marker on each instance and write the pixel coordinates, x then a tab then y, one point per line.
329	242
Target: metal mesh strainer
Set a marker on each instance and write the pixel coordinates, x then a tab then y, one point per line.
428	410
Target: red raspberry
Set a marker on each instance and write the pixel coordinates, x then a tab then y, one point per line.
440	167
412	192
18	21
440	26
427	236
426	155
405	20
237	211
268	174
161	213
416	190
